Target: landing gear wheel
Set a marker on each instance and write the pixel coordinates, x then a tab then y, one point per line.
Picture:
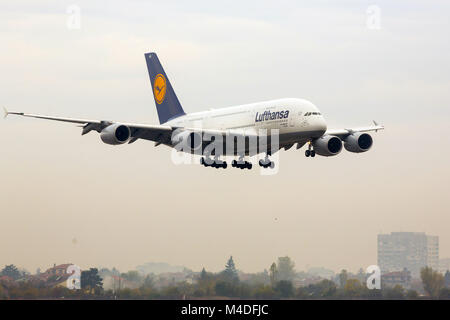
265	163
249	165
307	153
313	153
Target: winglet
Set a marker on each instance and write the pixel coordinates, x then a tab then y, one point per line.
6	113
376	124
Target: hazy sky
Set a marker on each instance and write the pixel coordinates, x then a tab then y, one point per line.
68	198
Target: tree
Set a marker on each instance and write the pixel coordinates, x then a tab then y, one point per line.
205	285
397	292
263	292
444	294
132	275
432	281
171	292
284	288
302	293
91	281
361	276
115	272
285	269
323	289
11	271
225	288
3	294
353	288
412	294
447	279
203	274
148	282
259	278
343	277
273	273
230	272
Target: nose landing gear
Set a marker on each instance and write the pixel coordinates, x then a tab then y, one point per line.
310	152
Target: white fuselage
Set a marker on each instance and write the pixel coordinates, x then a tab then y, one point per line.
297	120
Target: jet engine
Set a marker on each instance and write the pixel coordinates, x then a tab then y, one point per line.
358	142
327	145
115	134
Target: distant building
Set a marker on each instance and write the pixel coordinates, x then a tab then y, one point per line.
410	250
392	279
58	269
6	280
304	282
321	272
444	265
52	277
433	252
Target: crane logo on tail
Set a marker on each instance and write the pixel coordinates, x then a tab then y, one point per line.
159	88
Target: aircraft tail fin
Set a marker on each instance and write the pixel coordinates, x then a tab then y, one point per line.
166	101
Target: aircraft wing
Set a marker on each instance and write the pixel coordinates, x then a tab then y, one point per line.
161	134
157	133
343	133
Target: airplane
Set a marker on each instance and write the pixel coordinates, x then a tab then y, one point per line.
296	121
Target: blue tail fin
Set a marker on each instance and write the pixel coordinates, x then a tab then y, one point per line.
166	101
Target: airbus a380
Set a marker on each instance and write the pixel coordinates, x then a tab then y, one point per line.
297	122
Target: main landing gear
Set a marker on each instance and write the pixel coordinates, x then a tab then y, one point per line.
266	163
216	163
241	164
310	152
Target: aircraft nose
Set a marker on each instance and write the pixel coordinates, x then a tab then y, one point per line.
319	124
322	124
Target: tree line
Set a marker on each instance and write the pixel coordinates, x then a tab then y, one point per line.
276	283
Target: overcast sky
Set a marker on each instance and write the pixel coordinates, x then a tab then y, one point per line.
67	198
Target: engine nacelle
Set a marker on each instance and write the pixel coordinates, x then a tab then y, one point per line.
327	146
358	142
115	134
